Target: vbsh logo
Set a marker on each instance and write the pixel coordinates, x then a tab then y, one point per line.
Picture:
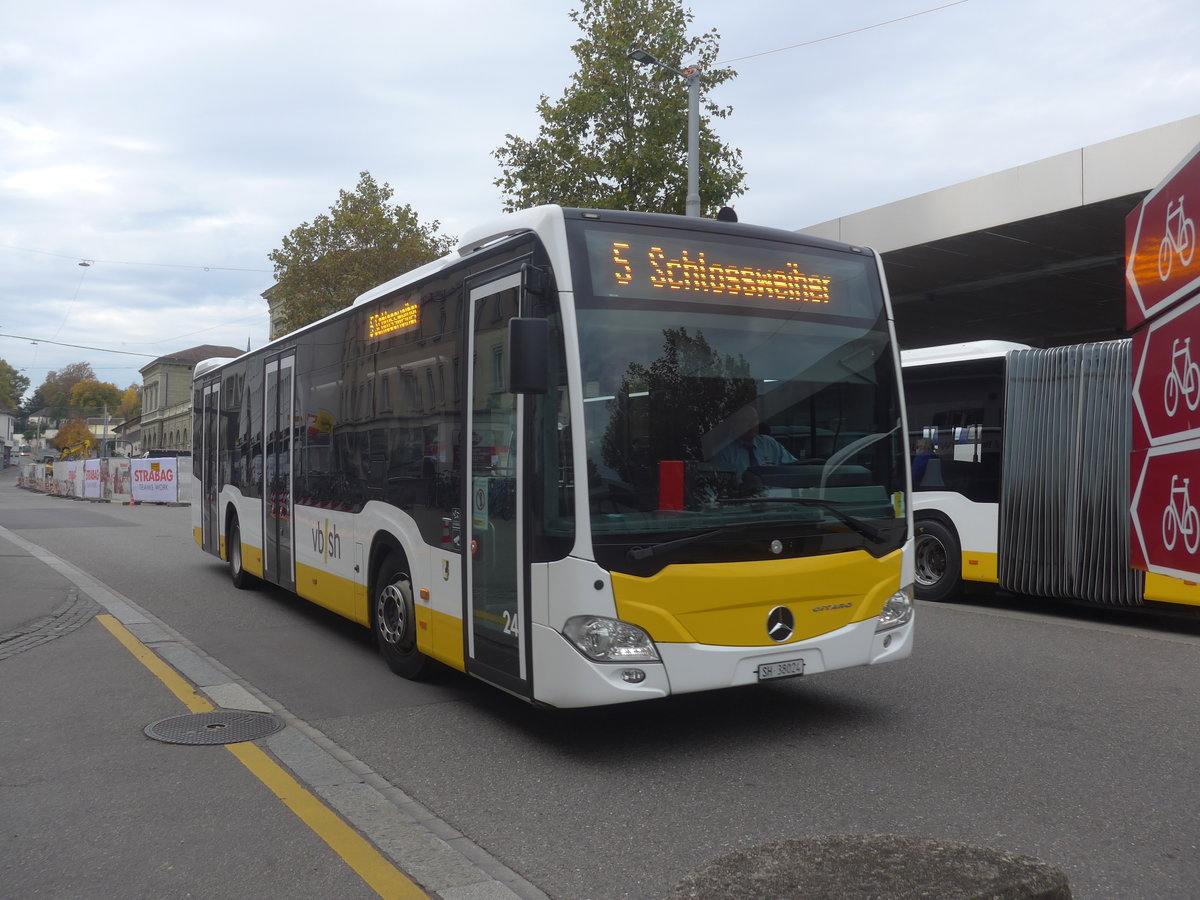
327	541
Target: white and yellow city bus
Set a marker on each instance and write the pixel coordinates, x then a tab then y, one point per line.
1024	478
531	460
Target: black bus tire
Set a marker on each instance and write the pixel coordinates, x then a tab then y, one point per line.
394	620
242	580
937	562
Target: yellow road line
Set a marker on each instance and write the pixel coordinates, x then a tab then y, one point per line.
371	865
175	682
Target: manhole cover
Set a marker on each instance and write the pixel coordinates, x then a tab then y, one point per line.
225	726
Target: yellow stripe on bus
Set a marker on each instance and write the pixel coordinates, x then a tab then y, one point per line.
723	604
341	595
1165	589
981	567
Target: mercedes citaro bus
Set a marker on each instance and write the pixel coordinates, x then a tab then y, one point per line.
588	457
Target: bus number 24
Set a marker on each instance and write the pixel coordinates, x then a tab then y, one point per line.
512	624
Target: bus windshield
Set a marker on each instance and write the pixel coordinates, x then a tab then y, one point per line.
706	441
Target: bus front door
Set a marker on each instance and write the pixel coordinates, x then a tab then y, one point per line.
496	605
279	417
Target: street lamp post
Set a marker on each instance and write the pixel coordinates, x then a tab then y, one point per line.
692	77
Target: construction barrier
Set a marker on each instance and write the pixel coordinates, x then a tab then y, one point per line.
166	480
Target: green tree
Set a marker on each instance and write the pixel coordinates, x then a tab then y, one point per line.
55	391
34	402
363	241
90	398
617	139
13	386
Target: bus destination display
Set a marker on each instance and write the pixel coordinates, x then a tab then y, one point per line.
691	270
390	321
653	266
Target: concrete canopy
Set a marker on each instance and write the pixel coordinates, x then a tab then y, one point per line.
1033	254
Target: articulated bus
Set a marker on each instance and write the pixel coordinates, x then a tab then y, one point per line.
1021	473
531	460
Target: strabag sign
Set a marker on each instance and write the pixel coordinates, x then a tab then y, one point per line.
154	480
91	479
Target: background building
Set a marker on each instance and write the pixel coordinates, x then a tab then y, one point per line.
166	419
9	440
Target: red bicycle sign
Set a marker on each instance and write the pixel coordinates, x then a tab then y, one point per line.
1164	513
1179	240
1180	517
1161	263
1166	377
1183	379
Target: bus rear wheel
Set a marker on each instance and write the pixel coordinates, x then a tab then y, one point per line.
394	620
237	572
937	563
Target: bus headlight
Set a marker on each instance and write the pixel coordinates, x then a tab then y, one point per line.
897	611
610	640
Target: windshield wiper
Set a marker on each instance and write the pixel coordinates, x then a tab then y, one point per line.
638	553
866	529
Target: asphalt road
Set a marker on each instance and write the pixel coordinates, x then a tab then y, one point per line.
1070	737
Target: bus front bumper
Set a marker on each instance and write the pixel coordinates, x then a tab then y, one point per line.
566	678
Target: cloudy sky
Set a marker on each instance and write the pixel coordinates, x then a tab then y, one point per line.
173	145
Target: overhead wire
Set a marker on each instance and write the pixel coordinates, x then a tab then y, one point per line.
841	34
122	262
74	297
23	337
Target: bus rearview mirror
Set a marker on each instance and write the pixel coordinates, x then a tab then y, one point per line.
528	351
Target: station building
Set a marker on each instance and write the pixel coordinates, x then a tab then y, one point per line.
1033	254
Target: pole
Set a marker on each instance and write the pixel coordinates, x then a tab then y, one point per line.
692	77
693	194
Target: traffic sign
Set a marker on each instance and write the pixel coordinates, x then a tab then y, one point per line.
1166	377
1165	512
1162	264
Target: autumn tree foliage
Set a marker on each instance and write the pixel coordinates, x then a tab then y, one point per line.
72	433
55	391
131	402
90	397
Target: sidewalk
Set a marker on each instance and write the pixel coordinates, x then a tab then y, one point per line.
91	806
36	603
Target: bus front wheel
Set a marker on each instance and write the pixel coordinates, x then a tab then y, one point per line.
394	621
938	562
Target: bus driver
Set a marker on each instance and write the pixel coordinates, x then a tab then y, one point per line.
751	450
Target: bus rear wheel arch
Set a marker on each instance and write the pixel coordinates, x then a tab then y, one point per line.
394	619
937	561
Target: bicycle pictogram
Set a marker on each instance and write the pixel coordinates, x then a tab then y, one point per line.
1181	518
1184	378
1179	240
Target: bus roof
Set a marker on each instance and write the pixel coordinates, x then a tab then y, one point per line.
207	365
968	350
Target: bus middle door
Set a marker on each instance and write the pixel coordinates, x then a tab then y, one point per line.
279	420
